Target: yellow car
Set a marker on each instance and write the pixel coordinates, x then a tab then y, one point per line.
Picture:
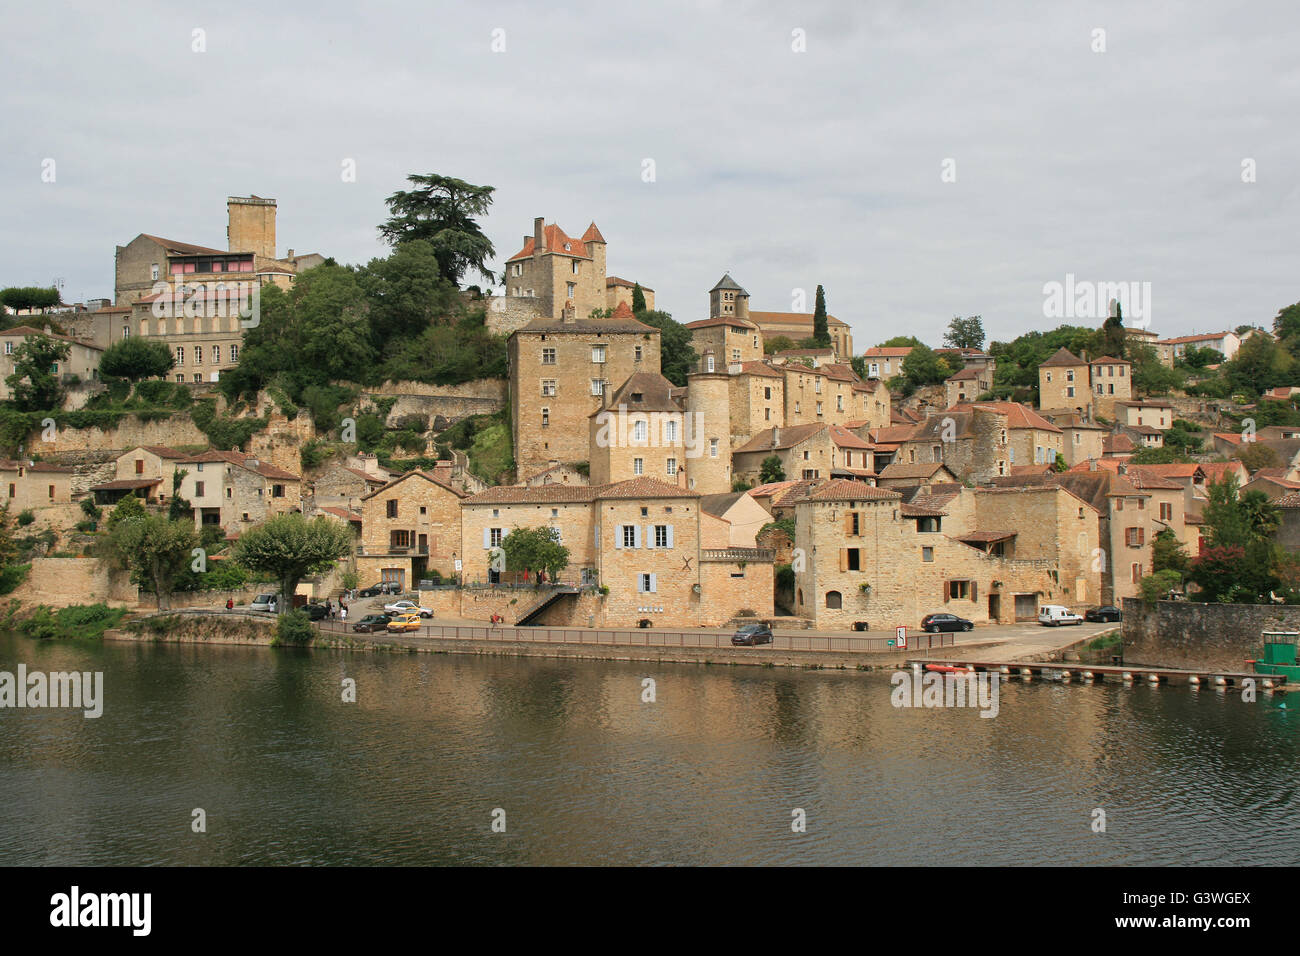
405	622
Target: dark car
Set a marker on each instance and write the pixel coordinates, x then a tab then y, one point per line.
752	634
1107	612
383	587
315	612
945	622
372	622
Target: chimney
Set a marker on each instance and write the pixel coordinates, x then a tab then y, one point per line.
442	471
538	241
289	254
1122	468
570	314
776	436
1092	464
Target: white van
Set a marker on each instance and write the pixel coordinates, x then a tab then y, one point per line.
1054	615
262	602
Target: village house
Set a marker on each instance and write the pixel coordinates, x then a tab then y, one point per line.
619	291
742	516
1081	439
559	371
885	363
558	473
411	531
234	490
34	484
1145	412
805	451
1226	343
640	430
756	398
901	474
344	485
641	539
81	365
973	441
968	385
144	471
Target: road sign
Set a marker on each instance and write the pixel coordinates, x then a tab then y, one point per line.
901	636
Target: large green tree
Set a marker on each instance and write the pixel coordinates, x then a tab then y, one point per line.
967	333
30	297
289	547
535	549
1260	364
638	298
1114	340
156	548
443	211
136	357
34	384
821	325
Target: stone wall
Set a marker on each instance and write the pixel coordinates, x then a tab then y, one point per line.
507	313
1191	635
62	581
179	429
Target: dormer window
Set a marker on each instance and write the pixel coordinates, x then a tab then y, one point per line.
636	396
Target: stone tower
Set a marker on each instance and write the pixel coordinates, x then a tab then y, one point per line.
251	225
708	430
728	300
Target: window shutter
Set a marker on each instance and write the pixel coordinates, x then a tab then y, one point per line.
654	582
640	583
848	524
946	592
618	536
670	536
974	591
487	538
636	531
844	559
650	536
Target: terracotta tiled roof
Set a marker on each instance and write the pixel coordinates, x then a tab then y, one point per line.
418	473
773	439
1117	445
892	434
554	239
1230	437
342	513
1031	469
1110	360
26	330
759	368
1146	403
592	234
621	321
845	489
612	281
1289	500
163	451
634	488
1018	415
1205	337
899	469
185	248
986	537
790	318
126	484
1063	356
844	438
728	320
965	375
642	392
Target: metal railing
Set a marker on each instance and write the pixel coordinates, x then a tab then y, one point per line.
637	637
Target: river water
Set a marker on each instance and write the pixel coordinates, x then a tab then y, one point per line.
583	771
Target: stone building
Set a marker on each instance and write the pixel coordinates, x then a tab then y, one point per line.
968	385
235	491
559	371
1081	439
557	473
871	557
410	531
640	430
728	339
619	291
805	452
560	273
81	365
974	441
34	484
756	396
1147	412
708	420
345	485
1068	383
641	539
144	471
1031	438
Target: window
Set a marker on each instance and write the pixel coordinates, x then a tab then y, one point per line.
180	378
598	386
573	268
1135	537
399	539
216	355
548	356
713	448
819	409
639	430
1137	573
570	287
663	536
1069	392
51	492
670	431
927	554
9	348
936	453
548	387
735	355
234	353
638	466
1166	511
809	473
277	491
629	535
139	466
1069	375
839	403
834	600
494	537
636	354
958	590
197	378
546	418
391	507
1048	376
153	272
198	489
708	363
671	466
853	559
180	356
598	354
647	583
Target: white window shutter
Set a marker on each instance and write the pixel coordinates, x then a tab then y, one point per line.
618	536
654	582
636	531
640	583
650	536
487	538
670	536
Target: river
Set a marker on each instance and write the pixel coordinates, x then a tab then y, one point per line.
585	772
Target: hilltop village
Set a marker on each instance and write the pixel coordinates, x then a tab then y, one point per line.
741	464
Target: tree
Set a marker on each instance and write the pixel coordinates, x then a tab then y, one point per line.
923	366
965	333
1259	365
156	548
778	343
1168	554
771	470
1158	456
1286	326
821	326
1194	357
178	508
20	298
1152	376
442	211
1256	456
638	298
289	547
1239	557
128	507
34	384
136	357
407	293
677	356
1114	340
1060	464
535	549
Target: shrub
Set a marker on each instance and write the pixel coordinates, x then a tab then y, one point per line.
25	517
294	627
12	575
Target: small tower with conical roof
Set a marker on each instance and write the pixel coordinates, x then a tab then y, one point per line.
728	300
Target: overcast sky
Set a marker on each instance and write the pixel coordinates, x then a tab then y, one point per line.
786	168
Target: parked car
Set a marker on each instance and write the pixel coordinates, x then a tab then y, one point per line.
751	634
316	612
262	602
1054	615
383	587
945	622
1107	612
404	622
408	607
372	622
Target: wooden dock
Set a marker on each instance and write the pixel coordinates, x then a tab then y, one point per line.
1067	672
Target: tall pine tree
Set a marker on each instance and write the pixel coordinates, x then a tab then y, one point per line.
638	298
821	328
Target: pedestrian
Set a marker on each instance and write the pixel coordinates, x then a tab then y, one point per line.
343	612
329	610
230	604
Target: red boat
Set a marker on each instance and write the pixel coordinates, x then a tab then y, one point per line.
948	669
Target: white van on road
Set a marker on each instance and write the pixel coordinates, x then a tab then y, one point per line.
1054	615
